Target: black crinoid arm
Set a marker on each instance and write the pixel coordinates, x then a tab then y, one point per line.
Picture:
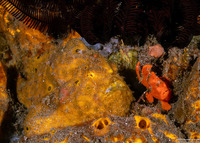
93	19
52	16
185	19
196	29
173	22
131	21
96	21
159	22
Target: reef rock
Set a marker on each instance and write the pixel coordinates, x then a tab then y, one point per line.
192	103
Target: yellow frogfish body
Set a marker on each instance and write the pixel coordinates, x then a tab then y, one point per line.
69	87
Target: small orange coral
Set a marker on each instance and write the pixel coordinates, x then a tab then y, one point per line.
157	87
156	51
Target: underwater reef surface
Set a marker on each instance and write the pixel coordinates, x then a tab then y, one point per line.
62	91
